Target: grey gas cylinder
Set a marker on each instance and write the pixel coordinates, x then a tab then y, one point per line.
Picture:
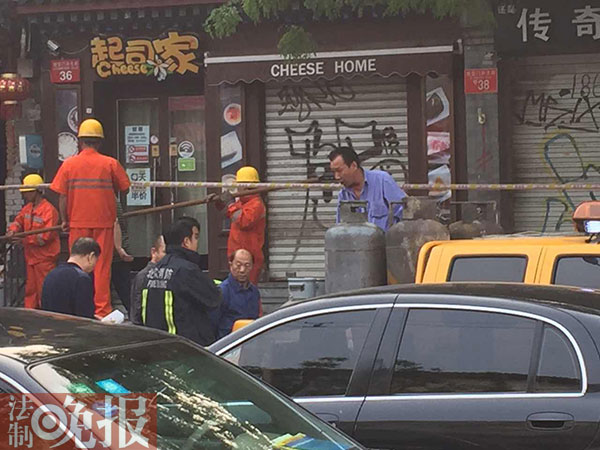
354	251
405	239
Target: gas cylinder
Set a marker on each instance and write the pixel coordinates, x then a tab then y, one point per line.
470	226
354	251
405	239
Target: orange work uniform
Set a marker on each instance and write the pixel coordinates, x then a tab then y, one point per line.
90	181
41	250
248	221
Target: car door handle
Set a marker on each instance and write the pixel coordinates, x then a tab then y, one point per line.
331	419
550	421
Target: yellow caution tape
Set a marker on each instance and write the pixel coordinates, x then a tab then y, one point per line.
335	186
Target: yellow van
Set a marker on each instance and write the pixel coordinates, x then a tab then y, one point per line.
566	260
572	260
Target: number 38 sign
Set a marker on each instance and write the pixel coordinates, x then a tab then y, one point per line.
64	71
481	81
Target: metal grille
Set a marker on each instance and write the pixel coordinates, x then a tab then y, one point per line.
304	122
556	136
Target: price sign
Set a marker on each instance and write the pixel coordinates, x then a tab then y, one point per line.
481	81
63	71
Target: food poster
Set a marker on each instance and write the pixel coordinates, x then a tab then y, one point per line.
231	129
139	196
67	122
137	144
439	136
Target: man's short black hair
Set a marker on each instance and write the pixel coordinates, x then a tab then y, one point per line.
84	246
348	155
180	229
95	143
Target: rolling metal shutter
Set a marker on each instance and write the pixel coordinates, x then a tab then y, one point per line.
304	122
556	136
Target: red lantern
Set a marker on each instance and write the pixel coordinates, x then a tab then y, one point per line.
13	89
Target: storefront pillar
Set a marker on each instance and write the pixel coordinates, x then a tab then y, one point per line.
484	165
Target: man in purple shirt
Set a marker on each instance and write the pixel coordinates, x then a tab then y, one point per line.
376	187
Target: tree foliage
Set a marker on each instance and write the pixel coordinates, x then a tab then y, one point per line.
296	42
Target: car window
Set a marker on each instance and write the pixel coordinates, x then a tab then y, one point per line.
313	356
582	271
488	268
559	369
452	351
202	401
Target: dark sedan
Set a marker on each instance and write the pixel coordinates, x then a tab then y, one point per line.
452	366
200	401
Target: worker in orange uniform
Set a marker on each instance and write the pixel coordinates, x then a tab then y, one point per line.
87	184
41	250
248	221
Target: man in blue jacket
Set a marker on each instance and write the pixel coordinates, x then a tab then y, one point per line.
241	299
69	288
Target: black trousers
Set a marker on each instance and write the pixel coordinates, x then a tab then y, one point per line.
120	279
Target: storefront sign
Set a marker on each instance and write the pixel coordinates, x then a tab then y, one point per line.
65	71
139	196
137	142
331	67
539	26
159	58
383	62
481	81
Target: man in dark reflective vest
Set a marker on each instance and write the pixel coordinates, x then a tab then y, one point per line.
177	296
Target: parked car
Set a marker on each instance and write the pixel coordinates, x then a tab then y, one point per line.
447	366
202	402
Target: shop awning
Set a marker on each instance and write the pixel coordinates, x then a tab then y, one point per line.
330	65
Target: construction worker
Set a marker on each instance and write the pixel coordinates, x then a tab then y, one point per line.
87	184
41	250
248	221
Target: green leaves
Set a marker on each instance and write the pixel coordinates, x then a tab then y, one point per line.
223	21
297	43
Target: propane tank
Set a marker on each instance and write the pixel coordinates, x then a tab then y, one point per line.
469	227
354	251
405	239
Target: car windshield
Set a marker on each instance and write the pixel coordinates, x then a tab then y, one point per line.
202	401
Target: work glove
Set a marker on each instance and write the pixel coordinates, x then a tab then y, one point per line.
227	198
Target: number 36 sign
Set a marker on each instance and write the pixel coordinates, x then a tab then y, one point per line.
481	81
64	71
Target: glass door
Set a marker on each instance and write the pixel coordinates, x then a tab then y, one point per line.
187	149
137	150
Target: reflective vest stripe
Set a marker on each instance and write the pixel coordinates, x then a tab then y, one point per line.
169	312
144	304
217	282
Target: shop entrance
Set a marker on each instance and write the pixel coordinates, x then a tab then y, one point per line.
157	133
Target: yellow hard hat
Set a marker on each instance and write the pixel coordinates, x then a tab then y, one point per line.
247	174
34	179
91	128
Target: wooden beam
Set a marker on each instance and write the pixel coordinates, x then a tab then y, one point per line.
107	5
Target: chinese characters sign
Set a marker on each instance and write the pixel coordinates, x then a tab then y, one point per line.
64	71
139	196
83	420
158	58
481	81
137	143
552	27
